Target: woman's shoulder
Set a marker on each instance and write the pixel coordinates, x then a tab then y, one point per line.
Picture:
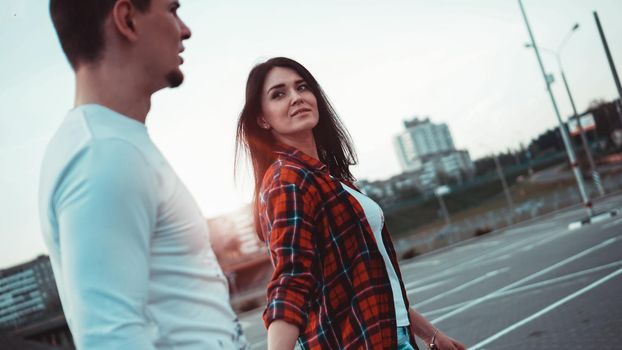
284	171
288	171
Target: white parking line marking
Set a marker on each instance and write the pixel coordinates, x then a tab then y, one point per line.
426	287
489	256
529	287
484	258
526	248
419	264
461	287
530	228
523	280
560	278
493	260
612	224
545	310
532	242
427	314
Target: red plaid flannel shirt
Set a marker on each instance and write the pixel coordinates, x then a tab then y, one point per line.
330	279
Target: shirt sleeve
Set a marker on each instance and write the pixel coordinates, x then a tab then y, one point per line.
290	213
106	207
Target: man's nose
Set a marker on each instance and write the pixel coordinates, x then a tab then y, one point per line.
185	31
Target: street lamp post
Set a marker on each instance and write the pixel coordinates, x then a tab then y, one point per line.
506	189
611	64
504	183
586	147
566	138
575	115
440	192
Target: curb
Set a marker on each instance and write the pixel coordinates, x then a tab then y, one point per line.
593	219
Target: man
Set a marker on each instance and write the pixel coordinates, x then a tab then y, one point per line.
128	244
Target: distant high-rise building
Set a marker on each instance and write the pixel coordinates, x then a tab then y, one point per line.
422	138
428	149
27	292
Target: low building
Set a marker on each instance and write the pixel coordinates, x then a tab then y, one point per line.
27	292
394	188
243	257
30	308
234	237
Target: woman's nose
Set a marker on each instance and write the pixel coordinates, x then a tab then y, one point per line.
296	98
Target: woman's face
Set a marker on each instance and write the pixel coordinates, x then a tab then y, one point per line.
289	108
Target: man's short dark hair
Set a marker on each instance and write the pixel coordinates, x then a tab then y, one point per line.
79	25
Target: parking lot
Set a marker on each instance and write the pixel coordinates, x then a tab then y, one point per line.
538	285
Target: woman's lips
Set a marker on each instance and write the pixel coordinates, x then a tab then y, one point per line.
302	110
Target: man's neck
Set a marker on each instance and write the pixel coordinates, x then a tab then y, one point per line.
111	87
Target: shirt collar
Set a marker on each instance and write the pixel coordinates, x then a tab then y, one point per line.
297	155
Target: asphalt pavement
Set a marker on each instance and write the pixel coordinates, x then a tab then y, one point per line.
538	285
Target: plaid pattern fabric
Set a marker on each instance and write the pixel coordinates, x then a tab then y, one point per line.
330	279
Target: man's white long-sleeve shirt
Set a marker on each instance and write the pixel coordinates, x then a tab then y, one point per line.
128	245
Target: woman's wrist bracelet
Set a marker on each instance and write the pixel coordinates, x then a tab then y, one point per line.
433	341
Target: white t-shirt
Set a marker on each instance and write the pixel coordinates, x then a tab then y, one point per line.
128	244
375	218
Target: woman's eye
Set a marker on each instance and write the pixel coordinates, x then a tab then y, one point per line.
277	94
303	87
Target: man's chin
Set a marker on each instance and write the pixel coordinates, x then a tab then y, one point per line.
175	78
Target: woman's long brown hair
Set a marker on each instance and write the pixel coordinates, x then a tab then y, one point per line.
333	142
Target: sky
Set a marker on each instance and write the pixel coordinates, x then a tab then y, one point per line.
380	62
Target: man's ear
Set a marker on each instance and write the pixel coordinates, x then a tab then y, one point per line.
124	19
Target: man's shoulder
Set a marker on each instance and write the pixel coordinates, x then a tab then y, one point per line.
83	130
69	146
78	151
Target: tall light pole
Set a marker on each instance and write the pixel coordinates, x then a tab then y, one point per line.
504	183
575	115
506	189
566	138
612	66
440	192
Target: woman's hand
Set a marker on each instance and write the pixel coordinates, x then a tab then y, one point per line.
444	342
426	331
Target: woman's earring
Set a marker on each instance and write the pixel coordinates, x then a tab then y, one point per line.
266	126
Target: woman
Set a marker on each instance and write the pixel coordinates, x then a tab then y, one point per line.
336	283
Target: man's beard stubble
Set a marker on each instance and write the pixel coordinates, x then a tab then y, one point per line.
174	78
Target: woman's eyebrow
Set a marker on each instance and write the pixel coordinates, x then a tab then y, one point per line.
275	87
